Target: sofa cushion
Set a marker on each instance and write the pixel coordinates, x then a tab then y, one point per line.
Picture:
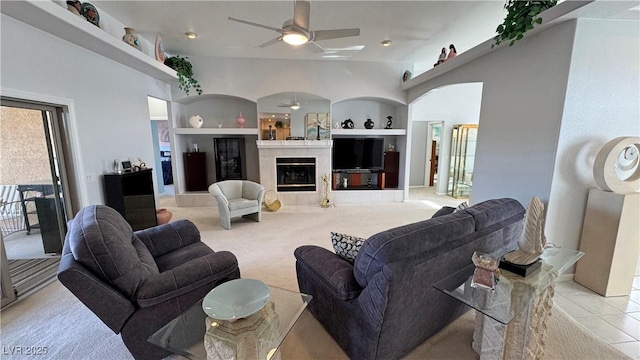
103	242
409	240
346	246
491	212
240	203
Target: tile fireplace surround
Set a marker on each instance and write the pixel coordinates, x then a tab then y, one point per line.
269	150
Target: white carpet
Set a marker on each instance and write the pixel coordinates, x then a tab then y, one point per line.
53	318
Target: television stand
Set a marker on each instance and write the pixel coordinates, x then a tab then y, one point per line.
358	179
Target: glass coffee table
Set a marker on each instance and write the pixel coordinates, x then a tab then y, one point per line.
511	320
194	335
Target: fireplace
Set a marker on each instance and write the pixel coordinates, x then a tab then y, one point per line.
296	174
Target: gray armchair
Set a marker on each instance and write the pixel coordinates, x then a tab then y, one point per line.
138	282
238	198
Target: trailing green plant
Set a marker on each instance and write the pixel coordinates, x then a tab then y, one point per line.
183	67
521	17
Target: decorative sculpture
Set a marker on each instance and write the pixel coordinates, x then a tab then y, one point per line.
196	121
389	122
531	243
442	58
325	199
347	124
616	167
452	52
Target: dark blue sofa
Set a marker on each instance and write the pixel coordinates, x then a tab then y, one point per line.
384	305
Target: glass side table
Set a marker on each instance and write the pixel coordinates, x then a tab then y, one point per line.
511	320
194	335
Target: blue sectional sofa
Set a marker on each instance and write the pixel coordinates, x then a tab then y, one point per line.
384	305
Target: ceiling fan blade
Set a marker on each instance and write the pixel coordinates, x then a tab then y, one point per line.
317	48
284	105
335	34
301	11
256	24
270	42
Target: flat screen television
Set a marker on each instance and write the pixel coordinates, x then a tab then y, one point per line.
358	153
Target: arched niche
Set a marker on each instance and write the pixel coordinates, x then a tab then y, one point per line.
217	111
377	109
278	107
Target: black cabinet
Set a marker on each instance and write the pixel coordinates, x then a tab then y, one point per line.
230	157
195	171
132	195
391	168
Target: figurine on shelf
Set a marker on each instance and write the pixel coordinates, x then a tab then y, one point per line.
389	122
442	58
452	52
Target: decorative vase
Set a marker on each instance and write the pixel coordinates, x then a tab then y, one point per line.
240	120
345	183
369	124
131	38
163	216
196	121
74	6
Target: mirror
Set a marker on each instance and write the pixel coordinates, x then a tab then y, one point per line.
280	107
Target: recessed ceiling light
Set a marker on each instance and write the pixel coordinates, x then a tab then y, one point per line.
191	35
385	43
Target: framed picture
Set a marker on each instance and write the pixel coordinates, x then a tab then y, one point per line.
126	165
318	123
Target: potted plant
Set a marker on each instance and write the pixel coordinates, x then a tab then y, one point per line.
185	73
521	16
279	124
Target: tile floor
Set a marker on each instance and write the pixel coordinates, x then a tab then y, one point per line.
616	320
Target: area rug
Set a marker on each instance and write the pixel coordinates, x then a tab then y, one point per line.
54	319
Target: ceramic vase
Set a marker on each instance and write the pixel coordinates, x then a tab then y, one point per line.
163	216
196	121
131	38
240	120
369	124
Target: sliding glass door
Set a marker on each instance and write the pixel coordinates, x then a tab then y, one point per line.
33	195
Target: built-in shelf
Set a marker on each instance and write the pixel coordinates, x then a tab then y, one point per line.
290	144
216	131
58	21
360	132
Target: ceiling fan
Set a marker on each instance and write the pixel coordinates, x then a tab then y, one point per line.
296	31
293	106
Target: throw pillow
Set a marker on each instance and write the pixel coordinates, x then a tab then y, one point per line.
346	246
445	210
463	205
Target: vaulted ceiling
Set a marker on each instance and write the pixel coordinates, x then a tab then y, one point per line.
417	29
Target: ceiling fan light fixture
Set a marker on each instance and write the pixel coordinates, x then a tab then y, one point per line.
191	35
385	43
295	39
295	106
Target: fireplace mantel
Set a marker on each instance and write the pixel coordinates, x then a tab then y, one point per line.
293	144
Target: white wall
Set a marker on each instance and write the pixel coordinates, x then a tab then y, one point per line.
109	101
452	104
522	149
603	97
